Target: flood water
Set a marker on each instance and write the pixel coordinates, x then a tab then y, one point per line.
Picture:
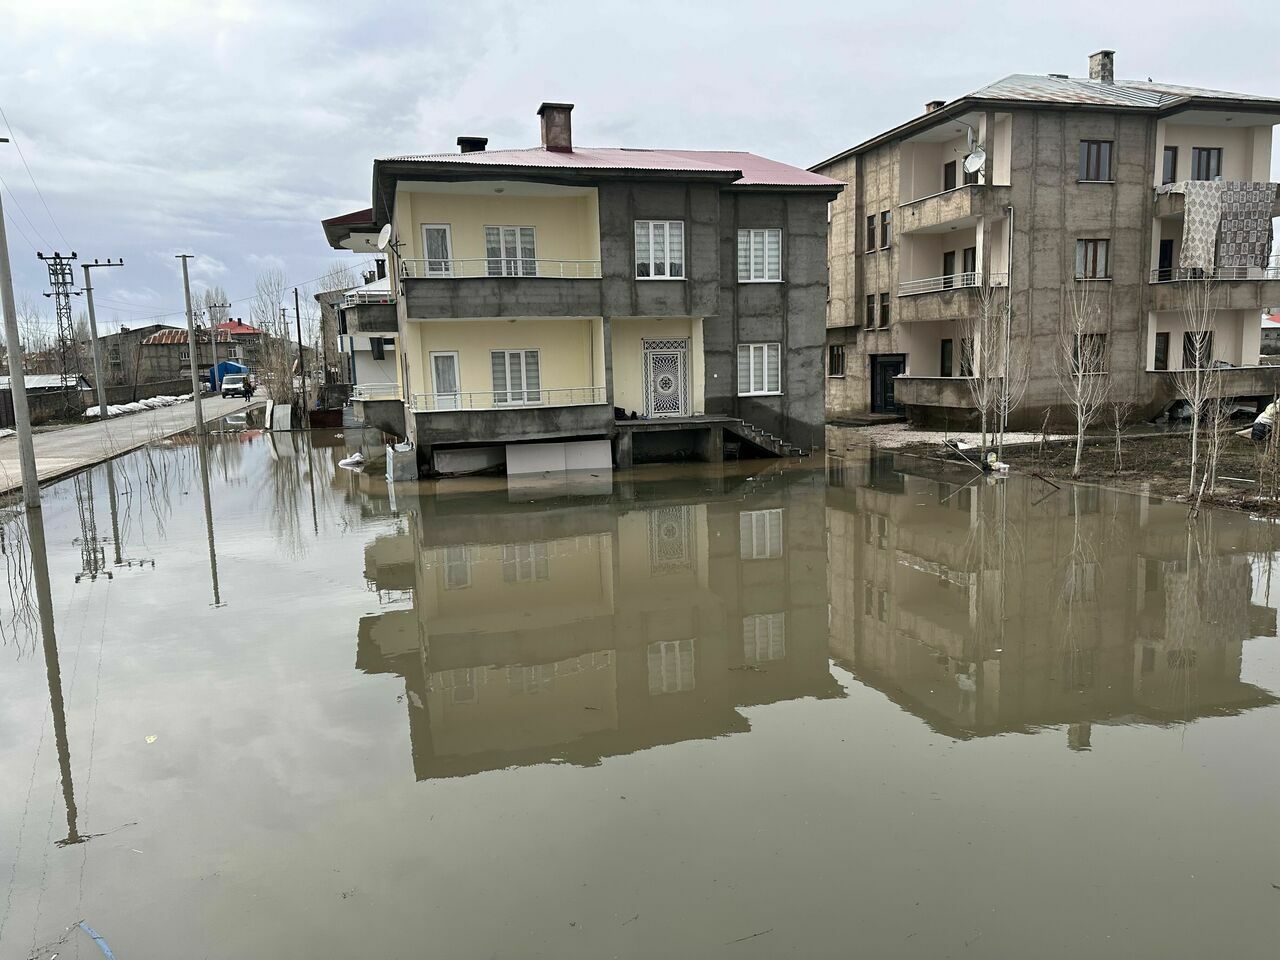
856	708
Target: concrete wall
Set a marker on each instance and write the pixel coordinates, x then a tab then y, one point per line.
367	369
127	393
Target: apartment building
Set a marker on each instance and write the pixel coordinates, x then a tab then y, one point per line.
1030	188
635	304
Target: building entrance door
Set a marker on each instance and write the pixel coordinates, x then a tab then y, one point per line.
666	378
884	367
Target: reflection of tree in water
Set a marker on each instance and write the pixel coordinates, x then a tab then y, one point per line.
302	492
18	615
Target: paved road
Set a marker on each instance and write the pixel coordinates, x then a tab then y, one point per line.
59	452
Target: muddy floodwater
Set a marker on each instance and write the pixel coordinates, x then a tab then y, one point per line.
860	707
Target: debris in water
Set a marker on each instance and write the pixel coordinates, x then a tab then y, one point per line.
152	738
97	938
749	936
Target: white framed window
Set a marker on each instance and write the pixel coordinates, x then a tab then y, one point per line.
760	255
457	567
510	251
764	637
516	377
760	534
759	368
525	562
659	249
184	354
670	666
437	249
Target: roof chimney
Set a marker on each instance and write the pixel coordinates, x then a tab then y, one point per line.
933	106
557	129
1102	66
472	144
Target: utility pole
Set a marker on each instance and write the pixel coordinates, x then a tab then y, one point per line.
99	377
17	382
191	344
213	335
302	368
62	280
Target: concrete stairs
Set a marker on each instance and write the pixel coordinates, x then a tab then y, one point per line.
763	439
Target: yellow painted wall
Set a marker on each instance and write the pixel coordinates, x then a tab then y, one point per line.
568	348
636	571
567	228
628	358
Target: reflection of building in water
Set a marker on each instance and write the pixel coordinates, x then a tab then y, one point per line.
582	629
992	608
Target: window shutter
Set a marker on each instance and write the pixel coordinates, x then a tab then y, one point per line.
528	255
493	250
744	255
498	364
773	364
659	241
532	377
1080	258
757	255
675	248
744	368
642	248
773	254
744	535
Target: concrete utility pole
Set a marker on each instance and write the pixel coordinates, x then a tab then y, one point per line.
17	382
302	368
191	344
99	377
213	336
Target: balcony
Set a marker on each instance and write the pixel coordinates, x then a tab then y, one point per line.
1235	288
948	297
951	392
375	391
488	417
495	287
1259	380
963	204
1173	206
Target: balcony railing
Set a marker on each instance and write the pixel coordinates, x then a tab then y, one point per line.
507	399
495	267
357	297
951	281
1271	271
376	391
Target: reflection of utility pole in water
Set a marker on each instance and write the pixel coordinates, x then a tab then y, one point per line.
44	599
208	516
93	559
311	482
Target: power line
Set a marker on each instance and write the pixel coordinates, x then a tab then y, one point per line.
14	141
12	196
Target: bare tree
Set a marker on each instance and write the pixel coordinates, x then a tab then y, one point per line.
278	353
1121	408
1082	360
1199	382
980	359
215	302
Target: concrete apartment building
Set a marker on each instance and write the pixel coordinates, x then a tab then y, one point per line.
1081	181
661	303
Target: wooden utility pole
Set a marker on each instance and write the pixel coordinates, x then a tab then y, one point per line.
191	344
302	369
99	375
17	382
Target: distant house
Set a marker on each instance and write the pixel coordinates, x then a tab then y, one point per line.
244	343
49	382
166	354
1270	333
370	357
122	352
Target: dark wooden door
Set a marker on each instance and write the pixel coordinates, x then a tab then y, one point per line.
1165	268
884	368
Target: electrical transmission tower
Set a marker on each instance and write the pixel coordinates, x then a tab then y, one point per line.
62	283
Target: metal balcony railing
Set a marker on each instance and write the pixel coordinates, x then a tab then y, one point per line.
517	267
507	399
1270	271
951	281
376	391
357	297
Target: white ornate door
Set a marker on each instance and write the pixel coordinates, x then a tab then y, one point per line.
666	378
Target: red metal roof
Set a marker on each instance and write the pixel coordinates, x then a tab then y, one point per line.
176	336
356	216
236	328
749	169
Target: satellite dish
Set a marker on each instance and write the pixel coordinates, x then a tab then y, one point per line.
974	161
384	236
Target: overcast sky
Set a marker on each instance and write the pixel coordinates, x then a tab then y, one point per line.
229	129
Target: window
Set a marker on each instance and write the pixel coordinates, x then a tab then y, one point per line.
871	232
1169	172
966	356
113	355
759	255
884	309
235	352
1095	160
1162	351
946	357
1197	349
510	252
457	567
760	534
525	562
1206	163
437	249
971	177
835	360
764	637
1093	259
516	379
870	320
377	348
886	220
659	249
969	265
184	354
1090	353
759	368
949	175
670	667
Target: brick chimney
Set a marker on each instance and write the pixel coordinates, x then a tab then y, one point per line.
557	128
472	144
1102	66
933	106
